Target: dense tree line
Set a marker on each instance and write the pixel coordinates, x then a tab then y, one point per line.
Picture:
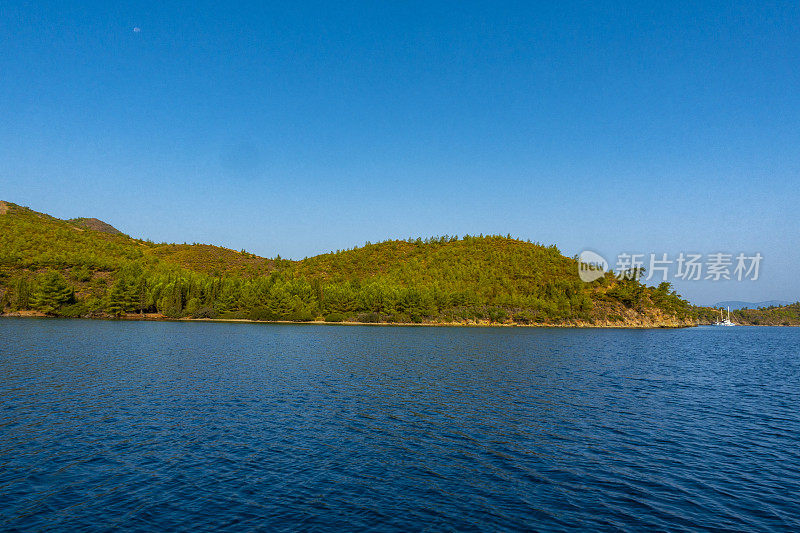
278	296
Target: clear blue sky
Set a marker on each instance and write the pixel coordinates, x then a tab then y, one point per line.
296	129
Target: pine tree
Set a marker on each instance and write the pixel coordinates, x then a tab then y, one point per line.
22	294
118	298
52	292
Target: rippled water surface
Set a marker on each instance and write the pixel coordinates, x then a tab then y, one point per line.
201	426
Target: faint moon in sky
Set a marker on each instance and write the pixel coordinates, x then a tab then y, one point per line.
137	29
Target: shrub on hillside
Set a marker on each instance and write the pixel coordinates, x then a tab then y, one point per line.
262	313
497	314
205	312
335	317
369	318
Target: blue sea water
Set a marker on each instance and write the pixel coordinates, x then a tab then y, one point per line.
167	426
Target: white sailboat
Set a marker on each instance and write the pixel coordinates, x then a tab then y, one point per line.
726	321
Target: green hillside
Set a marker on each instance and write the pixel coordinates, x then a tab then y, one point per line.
213	260
784	315
71	268
93	224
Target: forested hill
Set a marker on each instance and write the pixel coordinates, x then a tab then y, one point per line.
74	268
774	315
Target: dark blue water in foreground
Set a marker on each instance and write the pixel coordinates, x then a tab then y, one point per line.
200	426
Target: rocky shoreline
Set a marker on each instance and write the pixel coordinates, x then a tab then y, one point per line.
627	324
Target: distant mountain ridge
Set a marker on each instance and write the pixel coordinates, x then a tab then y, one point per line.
80	222
736	304
94	224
